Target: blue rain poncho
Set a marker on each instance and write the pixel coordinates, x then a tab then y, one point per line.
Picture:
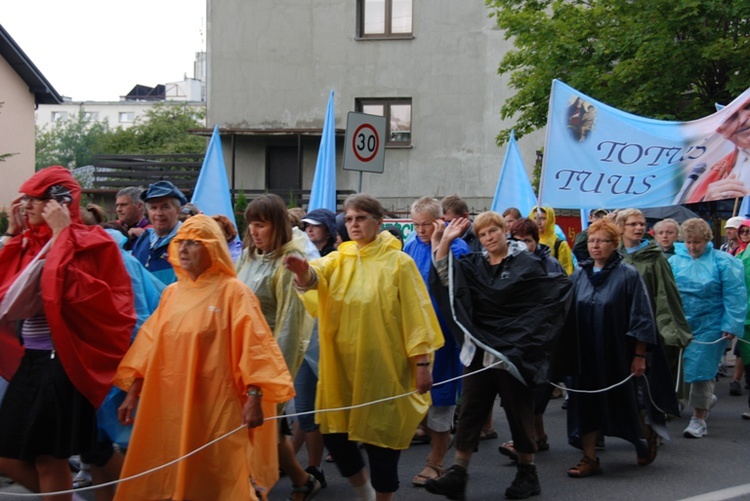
714	298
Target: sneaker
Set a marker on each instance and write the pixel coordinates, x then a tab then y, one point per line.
526	483
735	389
82	478
746	415
696	429
318	473
451	485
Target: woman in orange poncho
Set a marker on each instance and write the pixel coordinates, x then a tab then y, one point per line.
201	364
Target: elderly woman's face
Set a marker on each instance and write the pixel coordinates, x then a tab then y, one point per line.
194	257
362	226
601	246
696	246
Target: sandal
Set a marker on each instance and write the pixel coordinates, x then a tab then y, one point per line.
421	436
430	472
310	489
487	433
507	449
586	467
653	445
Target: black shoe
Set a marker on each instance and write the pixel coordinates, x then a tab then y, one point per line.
526	483
451	485
735	389
318	474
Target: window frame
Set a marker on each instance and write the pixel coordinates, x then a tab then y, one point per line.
387	30
361	102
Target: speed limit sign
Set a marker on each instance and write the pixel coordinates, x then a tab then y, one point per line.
364	147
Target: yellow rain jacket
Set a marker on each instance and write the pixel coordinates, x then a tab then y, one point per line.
197	354
561	251
374	314
282	307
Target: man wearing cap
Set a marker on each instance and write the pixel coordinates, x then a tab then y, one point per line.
732	245
580	246
320	226
163	201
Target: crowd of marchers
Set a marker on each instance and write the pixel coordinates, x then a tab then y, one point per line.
134	343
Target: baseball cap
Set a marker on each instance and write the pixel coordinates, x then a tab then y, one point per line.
734	222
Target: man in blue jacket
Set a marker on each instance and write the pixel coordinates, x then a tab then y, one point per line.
163	202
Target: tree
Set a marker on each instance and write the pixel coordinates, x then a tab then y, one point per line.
656	58
163	130
70	143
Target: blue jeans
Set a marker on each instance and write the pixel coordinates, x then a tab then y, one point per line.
305	385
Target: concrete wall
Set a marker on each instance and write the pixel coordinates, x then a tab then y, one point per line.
16	133
272	63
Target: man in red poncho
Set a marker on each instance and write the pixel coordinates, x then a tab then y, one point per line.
60	359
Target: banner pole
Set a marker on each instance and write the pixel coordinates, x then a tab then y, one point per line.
736	206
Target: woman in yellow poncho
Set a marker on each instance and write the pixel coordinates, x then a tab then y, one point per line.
202	364
544	217
377	332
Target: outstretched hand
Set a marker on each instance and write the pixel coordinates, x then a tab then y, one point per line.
295	264
456	228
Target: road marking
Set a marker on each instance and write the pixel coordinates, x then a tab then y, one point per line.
728	493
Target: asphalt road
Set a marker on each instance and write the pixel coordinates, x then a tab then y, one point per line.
714	467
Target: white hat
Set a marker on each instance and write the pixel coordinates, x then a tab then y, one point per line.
734	222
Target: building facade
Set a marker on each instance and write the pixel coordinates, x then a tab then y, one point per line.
429	67
22	89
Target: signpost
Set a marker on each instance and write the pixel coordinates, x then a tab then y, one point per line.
364	147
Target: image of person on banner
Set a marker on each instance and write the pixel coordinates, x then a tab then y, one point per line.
729	177
580	118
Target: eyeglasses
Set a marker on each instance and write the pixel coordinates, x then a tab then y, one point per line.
188	243
597	241
358	219
424	225
639	223
26	199
744	231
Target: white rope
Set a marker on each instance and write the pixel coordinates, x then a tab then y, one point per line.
602	390
241	427
319	411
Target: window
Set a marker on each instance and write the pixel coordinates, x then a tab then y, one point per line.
90	116
398	118
58	116
127	116
385	18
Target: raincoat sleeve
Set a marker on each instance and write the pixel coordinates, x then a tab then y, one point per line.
744	258
734	296
135	363
670	317
565	256
293	323
261	362
641	326
420	327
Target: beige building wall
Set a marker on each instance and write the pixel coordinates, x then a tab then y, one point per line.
16	133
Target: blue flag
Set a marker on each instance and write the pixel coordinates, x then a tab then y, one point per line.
513	187
323	194
212	195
